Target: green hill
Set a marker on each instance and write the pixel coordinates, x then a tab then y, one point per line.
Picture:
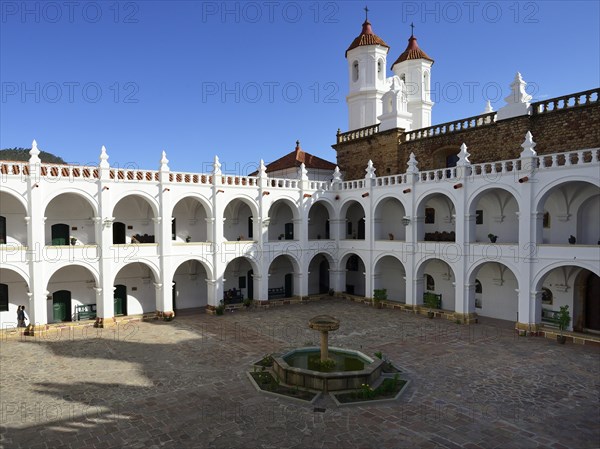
22	154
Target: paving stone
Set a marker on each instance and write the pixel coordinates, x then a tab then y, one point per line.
183	384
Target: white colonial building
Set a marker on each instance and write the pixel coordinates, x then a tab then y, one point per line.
79	242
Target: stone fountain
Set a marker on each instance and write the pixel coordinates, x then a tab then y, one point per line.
301	366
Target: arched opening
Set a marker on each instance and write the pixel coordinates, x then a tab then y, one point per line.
436	221
120	300
496	212
119	233
318	222
13	293
355	221
281	278
69	221
137	284
355	275
380	69
493	292
281	221
13	229
389	274
238	281
137	214
189	221
575	287
238	221
318	275
355	71
189	286
72	295
388	220
573	209
437	278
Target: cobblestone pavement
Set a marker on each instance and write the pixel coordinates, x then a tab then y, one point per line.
183	384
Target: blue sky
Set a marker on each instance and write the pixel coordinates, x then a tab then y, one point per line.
244	80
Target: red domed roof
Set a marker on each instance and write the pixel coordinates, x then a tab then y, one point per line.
367	37
412	52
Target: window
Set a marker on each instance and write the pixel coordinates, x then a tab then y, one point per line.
380	69
355	71
173	229
3	298
547	296
478	217
2	230
349	228
478	288
429	215
429	282
546	220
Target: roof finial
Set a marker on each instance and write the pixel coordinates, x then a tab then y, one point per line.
366	14
412	29
297	144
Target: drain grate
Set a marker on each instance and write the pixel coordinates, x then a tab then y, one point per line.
319	410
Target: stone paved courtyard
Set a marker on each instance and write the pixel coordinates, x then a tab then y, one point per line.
183	384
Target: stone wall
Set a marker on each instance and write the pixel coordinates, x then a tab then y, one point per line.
554	131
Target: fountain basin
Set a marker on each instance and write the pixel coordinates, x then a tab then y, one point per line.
336	380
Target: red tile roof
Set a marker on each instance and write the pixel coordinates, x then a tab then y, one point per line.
297	157
367	37
412	52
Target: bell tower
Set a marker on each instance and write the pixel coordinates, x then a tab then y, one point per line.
367	56
413	67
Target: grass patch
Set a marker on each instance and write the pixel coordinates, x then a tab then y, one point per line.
388	389
267	382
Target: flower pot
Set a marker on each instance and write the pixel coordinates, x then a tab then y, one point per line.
430	314
561	339
572	240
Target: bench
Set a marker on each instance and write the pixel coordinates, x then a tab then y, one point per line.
549	316
277	292
85	312
233	296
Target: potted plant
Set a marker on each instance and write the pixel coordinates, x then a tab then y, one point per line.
331	292
247	302
73	240
572	239
492	237
563	319
188	239
430	301
379	294
220	309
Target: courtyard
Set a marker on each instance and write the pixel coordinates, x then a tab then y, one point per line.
183	383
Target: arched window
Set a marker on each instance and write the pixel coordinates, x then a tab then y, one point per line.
380	69
355	71
478	292
478	288
547	296
429	283
546	219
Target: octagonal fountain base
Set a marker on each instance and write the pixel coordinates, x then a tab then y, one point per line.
353	368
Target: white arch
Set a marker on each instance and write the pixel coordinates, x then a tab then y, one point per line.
13	193
66	264
24	275
291	203
476	195
541	196
247	200
539	277
206	204
177	262
80	192
153	268
149	198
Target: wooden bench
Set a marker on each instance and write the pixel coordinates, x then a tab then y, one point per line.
233	296
85	312
277	292
549	316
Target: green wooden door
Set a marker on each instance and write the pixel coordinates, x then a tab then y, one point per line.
60	234
120	299
61	305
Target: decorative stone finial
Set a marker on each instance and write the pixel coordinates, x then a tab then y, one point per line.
164	162
34	153
412	164
104	158
528	146
216	166
518	93
262	171
370	170
297	144
303	172
337	175
463	156
488	107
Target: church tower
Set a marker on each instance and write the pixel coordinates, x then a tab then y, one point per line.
413	67
367	77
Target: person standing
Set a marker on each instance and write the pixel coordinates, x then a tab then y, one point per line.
21	316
